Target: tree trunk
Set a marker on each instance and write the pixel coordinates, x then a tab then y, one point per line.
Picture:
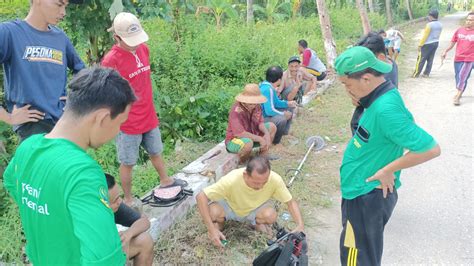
249	12
388	9
371	6
329	44
363	16
410	14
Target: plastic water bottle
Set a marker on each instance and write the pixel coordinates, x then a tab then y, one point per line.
285	216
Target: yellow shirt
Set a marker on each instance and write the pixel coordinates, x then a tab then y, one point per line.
243	199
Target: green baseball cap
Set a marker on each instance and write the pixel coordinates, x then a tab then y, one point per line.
359	58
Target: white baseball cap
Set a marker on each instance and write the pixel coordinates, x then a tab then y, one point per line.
128	28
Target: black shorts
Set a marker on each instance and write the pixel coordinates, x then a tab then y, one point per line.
31	128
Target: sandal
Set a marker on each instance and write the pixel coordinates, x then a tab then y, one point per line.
457	101
176	182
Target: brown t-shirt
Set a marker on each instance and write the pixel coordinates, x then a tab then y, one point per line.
240	120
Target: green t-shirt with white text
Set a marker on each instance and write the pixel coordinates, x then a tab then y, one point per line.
385	130
63	200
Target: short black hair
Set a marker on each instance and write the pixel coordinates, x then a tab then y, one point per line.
358	75
433	13
303	43
374	42
381	31
274	73
97	87
110	180
470	13
258	163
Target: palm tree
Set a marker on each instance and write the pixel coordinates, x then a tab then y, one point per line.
363	16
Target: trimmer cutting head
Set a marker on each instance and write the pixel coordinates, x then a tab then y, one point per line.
318	141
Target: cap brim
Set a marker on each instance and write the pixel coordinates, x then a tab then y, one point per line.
77	2
382	67
135	40
251	99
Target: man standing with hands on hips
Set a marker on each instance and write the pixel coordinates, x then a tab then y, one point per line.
374	157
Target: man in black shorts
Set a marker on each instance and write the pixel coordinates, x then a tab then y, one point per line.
136	241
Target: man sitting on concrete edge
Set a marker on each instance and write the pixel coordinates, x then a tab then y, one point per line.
243	195
136	241
247	131
279	112
296	81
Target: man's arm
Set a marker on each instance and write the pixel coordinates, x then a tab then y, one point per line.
306	57
93	220
74	62
294	210
269	106
203	206
426	33
451	45
138	227
20	115
386	175
401	130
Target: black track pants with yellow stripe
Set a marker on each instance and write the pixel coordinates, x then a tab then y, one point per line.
363	220
426	55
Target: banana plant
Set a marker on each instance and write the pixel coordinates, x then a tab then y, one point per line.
218	8
274	10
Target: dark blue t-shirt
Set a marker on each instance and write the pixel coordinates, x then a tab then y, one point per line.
35	66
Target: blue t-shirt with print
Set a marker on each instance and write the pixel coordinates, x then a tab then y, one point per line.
35	66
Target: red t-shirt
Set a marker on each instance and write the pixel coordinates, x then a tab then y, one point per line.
136	69
464	38
241	120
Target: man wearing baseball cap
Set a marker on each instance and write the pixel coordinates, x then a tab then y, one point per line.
296	81
130	57
428	45
374	157
247	130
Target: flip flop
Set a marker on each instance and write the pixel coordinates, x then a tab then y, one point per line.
176	182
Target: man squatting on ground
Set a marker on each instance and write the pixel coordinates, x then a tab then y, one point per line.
428	45
279	112
136	241
130	57
374	157
296	81
375	43
36	56
244	195
60	190
464	57
247	131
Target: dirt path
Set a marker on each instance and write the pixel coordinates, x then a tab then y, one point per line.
433	221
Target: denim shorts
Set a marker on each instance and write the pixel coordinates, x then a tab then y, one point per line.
128	145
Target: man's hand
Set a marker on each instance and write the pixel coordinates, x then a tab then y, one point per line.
24	115
386	178
125	238
216	236
299	228
443	55
264	144
288	115
292	104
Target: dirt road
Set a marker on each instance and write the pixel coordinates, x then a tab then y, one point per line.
433	220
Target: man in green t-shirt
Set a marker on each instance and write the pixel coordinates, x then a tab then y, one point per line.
59	189
370	170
